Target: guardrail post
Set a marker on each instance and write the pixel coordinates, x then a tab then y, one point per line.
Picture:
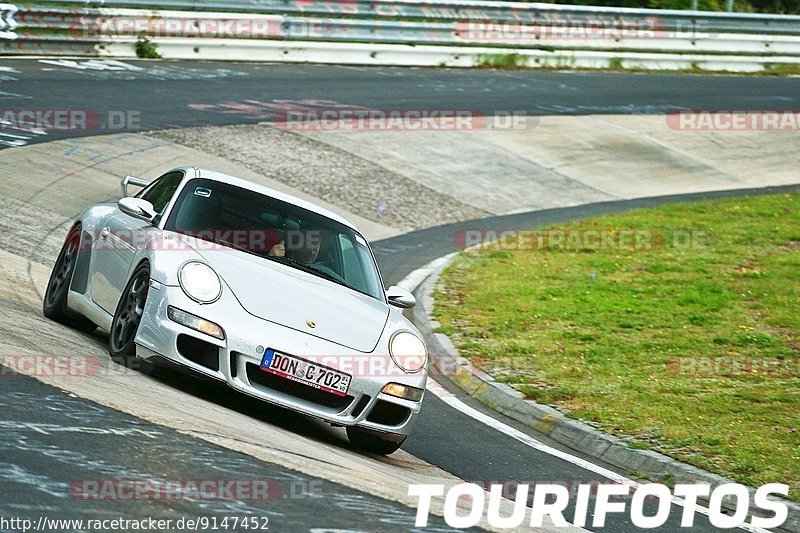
7	22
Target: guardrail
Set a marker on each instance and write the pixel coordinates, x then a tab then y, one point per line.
648	35
7	22
474	10
454	33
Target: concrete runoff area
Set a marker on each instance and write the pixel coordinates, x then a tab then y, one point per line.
552	161
558	161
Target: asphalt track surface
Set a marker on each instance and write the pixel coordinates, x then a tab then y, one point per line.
53	446
183	94
192	94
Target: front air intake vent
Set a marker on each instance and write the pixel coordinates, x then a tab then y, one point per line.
388	414
199	351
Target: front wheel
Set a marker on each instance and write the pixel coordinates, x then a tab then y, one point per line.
373	443
54	306
127	317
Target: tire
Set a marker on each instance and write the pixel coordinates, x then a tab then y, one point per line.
372	442
54	305
127	317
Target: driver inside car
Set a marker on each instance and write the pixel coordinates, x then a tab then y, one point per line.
306	247
303	246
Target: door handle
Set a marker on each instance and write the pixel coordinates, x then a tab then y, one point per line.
104	233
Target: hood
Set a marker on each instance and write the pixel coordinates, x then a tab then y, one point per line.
290	297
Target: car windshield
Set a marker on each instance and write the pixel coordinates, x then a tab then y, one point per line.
261	225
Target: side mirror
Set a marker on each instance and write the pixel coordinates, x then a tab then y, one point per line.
399	297
137	208
130	180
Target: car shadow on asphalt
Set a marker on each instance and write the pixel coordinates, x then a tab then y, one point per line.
204	388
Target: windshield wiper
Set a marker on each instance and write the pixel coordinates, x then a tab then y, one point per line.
308	268
216	240
223	242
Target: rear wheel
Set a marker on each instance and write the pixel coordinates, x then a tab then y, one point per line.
372	442
128	316
54	306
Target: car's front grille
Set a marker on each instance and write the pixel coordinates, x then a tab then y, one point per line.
360	406
261	379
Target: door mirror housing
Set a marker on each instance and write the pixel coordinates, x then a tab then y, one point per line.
130	180
399	297
137	208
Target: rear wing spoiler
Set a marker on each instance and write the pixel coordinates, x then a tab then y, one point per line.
130	180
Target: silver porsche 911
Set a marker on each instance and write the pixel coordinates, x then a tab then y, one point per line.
277	297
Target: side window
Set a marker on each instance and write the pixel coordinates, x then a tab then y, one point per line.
160	192
353	271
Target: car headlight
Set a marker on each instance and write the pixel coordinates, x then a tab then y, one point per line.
200	282
408	351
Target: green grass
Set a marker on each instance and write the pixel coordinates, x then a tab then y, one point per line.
502	61
782	69
146	49
515	61
602	332
615	63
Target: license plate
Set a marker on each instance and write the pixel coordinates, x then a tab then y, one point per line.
306	372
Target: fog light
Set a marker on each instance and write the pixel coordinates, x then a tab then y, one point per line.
195	322
402	391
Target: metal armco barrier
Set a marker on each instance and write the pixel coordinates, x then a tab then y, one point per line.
7	22
474	10
554	35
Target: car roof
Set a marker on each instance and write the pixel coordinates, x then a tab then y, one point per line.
269	191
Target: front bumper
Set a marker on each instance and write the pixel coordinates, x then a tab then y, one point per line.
236	361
